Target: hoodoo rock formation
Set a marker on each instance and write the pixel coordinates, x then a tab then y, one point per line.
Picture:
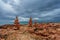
30	22
16	23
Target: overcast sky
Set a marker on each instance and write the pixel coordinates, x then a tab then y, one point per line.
40	10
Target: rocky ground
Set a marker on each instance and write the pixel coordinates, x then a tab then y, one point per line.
30	33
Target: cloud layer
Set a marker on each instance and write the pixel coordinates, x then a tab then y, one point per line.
40	10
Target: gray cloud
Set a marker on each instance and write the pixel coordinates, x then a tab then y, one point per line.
43	10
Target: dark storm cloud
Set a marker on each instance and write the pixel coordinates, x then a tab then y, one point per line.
42	10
